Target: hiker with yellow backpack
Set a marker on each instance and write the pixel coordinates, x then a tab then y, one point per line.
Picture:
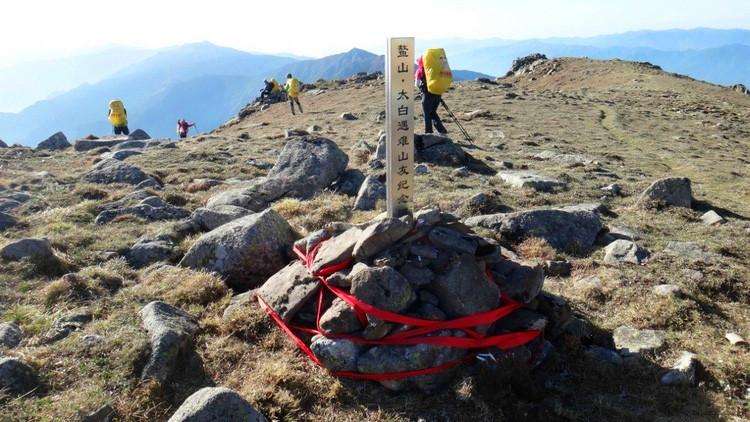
118	116
433	78
292	88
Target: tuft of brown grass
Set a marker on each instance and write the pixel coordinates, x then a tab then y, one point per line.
315	213
182	286
536	248
71	288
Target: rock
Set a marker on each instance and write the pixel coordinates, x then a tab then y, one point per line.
340	318
62	327
632	341
121	154
130	145
287	291
684	371
562	230
477	114
438	149
380	359
349	183
148	251
314	128
10	335
452	240
149	182
565	159
589	283
667	290
3	144
624	251
464	289
348	116
712	218
595	207
530	180
382	287
370	192
7	221
421	169
735	339
305	166
211	218
673	191
740	88
417	276
138	135
115	171
91	340
523	65
237	302
691	251
626	233
150	209
211	404
461	172
171	332
336	354
103	414
37	249
604	355
294	133
557	268
336	250
58	141
244	251
379	236
16	377
8	205
83	145
614	189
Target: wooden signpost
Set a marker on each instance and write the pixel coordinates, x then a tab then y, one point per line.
399	125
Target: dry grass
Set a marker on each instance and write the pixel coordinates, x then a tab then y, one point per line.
536	248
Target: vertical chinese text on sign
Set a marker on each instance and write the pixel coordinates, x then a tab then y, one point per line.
399	110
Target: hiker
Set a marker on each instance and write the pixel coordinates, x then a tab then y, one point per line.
292	91
118	116
433	77
183	127
271	90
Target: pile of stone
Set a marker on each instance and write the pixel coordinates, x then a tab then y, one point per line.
428	266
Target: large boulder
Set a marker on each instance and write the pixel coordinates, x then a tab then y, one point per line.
245	251
171	331
672	191
115	171
561	229
308	165
211	404
57	141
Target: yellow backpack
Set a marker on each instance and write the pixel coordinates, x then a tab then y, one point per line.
117	114
275	85
437	71
292	87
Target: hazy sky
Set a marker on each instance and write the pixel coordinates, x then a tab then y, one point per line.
34	28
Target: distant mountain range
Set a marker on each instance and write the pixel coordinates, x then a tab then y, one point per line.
208	84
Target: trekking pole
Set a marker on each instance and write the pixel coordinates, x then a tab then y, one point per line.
455	120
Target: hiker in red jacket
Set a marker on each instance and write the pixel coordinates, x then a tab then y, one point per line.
183	127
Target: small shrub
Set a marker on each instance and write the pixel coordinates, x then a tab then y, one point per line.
536	248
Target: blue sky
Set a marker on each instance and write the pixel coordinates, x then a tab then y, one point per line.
37	28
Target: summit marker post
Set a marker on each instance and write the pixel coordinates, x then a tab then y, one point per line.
399	125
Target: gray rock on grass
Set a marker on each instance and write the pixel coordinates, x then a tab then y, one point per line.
625	252
245	251
211	404
10	335
672	191
632	341
171	331
58	141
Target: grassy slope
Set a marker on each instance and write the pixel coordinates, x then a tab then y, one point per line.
636	122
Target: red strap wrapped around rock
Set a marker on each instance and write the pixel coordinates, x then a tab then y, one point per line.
412	336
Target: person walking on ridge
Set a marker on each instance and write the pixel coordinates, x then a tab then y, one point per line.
118	117
292	87
183	127
430	101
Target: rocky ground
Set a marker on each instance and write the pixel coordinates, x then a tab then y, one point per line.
122	259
